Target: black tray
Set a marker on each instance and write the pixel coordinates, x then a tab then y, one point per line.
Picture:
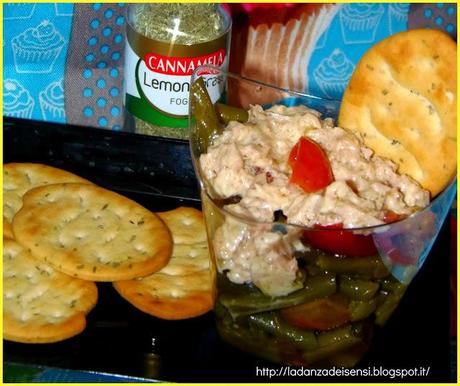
120	339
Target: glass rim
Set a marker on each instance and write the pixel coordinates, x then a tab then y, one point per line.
384	226
260	83
252	221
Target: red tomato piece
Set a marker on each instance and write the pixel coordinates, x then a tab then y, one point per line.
334	239
389	216
320	314
311	169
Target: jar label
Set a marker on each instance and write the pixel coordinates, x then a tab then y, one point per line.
158	75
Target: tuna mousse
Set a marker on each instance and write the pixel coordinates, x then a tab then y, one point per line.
287	162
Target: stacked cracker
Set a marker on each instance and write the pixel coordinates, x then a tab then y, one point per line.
40	304
183	288
61	234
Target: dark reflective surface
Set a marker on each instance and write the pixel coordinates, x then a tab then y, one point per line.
120	339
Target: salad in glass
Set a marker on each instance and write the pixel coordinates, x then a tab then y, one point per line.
313	237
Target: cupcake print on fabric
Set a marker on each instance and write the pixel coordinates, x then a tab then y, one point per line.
355	28
398	15
333	73
17	11
36	49
52	102
359	22
35	45
17	101
64	9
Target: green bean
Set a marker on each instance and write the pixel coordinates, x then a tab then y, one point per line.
250	340
380	297
244	300
371	267
358	289
384	311
393	285
333	336
361	309
314	270
206	120
333	342
309	256
394	292
228	113
272	323
253	338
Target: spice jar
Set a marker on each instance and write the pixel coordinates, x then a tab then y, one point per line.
165	43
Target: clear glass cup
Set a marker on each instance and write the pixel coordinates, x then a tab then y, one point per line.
344	291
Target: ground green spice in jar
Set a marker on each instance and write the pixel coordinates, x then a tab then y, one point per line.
165	43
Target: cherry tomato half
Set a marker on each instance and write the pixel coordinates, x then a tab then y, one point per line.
311	169
390	216
334	239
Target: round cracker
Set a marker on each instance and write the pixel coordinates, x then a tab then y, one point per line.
41	304
92	233
402	98
186	225
183	288
187	259
171	297
18	178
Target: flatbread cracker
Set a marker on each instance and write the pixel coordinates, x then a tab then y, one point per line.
41	304
18	178
92	233
402	98
170	297
186	225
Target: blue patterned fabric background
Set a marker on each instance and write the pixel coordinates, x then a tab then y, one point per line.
36	38
354	29
64	62
40	79
94	75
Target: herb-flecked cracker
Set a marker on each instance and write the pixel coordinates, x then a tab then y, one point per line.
402	98
186	225
18	178
170	297
187	258
92	233
184	287
41	304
